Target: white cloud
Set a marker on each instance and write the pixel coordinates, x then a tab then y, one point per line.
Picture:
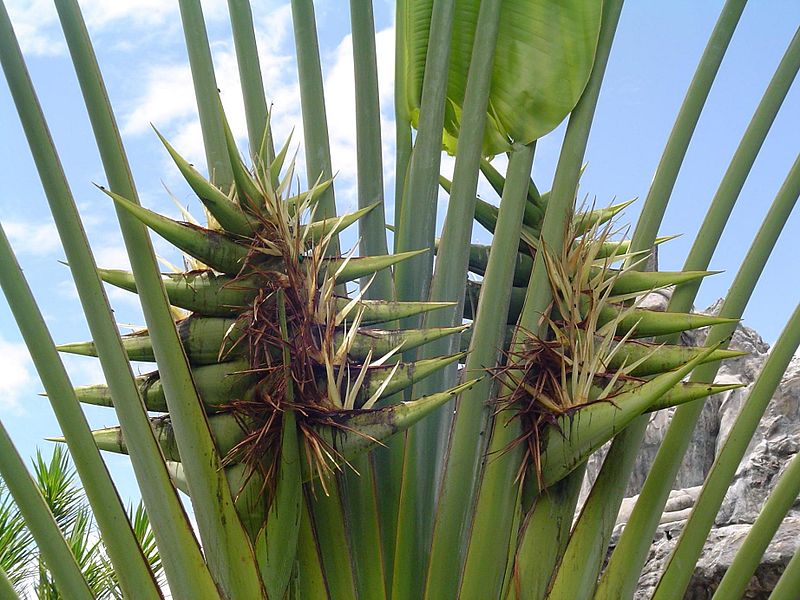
15	374
341	112
36	21
83	370
167	98
37	239
33	22
112	257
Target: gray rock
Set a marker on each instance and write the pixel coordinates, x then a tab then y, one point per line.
718	553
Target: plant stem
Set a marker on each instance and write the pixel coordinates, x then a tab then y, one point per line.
402	121
536	564
789	583
372	227
425	444
312	102
330	533
207	93
6	589
179	550
360	488
723	470
416	222
227	549
468	438
491	529
255	102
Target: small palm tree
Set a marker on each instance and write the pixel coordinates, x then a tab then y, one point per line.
421	435
19	556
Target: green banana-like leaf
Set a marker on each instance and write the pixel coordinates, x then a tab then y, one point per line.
544	55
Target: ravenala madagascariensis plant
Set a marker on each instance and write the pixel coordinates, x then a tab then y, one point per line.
373	424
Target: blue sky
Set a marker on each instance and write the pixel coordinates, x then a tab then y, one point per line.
141	50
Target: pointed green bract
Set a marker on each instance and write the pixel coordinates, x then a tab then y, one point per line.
247	192
361	430
205	292
276	543
230	216
625	284
689	391
220	295
623	247
629	281
382	311
309	196
577	435
388	381
316	231
658	358
354	432
217	384
208	340
205	341
226	428
535	81
651	323
382	341
210	247
354	268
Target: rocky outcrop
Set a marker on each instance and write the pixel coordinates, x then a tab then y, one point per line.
775	443
718	553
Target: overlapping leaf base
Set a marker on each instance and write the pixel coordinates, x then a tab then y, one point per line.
268	333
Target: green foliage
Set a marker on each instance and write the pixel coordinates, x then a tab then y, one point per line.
19	556
369	443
